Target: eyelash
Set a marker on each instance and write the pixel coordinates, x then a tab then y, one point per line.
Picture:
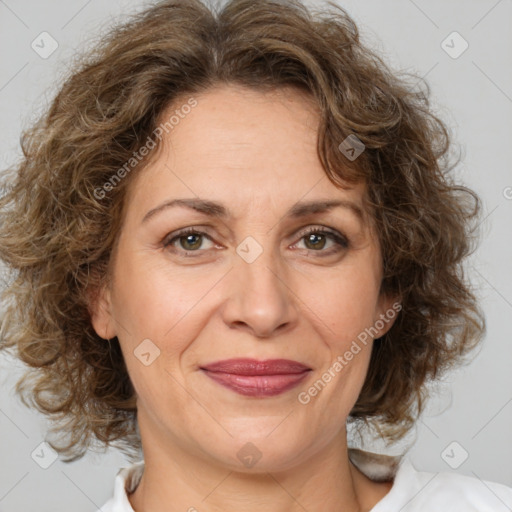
340	240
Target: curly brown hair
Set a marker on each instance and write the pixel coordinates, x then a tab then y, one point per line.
58	232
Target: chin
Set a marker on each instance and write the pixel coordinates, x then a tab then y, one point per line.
259	452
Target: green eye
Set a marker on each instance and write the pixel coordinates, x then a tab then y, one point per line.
189	239
316	239
190	242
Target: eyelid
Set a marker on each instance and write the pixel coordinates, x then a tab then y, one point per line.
320	229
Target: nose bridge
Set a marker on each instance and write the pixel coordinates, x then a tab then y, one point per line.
260	267
259	296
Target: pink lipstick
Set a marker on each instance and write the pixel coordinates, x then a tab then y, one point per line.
251	377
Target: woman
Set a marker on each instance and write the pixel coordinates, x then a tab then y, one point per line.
233	234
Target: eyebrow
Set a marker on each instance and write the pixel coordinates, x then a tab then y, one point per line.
214	209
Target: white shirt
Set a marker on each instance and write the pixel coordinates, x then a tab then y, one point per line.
412	490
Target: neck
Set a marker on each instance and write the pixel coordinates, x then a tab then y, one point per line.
176	480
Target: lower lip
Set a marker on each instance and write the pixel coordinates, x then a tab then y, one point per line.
258	385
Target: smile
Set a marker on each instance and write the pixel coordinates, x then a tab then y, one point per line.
250	377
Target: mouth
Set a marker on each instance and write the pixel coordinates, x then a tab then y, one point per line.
251	377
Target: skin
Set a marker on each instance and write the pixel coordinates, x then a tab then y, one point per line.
255	153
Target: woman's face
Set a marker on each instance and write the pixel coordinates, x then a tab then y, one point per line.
250	283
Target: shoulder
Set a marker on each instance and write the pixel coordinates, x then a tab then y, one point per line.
125	482
422	491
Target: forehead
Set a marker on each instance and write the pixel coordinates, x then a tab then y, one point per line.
231	122
242	146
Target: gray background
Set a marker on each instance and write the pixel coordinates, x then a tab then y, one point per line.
473	93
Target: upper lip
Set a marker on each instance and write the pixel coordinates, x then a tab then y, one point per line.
245	366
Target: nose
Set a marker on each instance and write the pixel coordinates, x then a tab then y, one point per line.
259	298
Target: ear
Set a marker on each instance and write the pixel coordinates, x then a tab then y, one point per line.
388	308
100	311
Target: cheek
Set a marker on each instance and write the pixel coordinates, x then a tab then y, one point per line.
345	303
154	301
167	308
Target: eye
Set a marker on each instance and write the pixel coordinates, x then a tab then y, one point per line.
189	239
315	239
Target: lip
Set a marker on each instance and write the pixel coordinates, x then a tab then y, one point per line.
251	377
